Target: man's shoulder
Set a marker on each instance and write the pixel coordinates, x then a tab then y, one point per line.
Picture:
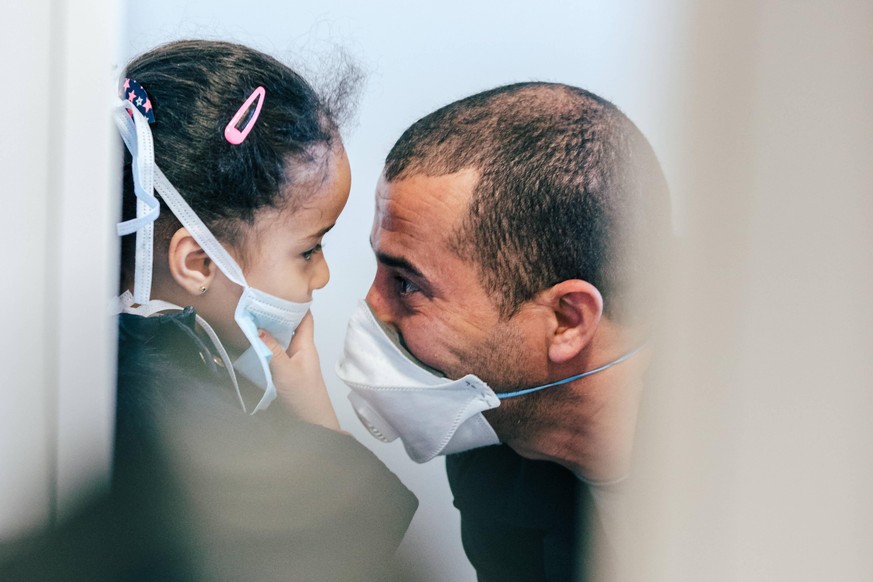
497	481
520	519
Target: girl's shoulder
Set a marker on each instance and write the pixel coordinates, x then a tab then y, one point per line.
163	345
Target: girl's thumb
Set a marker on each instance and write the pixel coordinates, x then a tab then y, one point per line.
270	342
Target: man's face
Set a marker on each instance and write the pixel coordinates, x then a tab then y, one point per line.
433	298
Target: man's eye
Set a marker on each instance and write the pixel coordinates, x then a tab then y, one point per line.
308	254
405	287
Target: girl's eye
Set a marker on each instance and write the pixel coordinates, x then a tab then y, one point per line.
405	287
308	254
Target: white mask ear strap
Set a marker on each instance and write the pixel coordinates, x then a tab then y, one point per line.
198	230
142	152
172	199
225	358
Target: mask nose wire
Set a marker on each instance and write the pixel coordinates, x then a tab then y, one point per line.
627	356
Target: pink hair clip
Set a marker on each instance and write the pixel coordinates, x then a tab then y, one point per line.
241	124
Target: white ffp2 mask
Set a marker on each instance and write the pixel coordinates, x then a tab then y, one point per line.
394	396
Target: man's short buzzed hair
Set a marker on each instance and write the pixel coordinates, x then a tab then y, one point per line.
568	189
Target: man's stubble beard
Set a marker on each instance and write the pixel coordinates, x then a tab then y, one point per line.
506	364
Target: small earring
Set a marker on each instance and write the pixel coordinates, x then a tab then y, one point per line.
202	289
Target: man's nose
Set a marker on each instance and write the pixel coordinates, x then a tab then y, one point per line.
377	303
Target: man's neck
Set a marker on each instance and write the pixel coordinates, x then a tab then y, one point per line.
587	425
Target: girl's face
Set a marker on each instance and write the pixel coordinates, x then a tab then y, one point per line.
284	247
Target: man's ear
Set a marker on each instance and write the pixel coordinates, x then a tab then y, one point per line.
190	267
576	307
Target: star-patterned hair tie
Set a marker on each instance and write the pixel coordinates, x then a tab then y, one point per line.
134	92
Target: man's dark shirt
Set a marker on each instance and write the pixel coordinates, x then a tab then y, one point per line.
521	519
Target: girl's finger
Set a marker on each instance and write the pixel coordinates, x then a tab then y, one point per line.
303	336
271	342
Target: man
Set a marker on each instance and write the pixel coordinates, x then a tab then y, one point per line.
516	234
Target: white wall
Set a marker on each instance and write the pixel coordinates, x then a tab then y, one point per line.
420	56
56	413
26	492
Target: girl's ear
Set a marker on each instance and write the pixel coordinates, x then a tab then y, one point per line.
189	265
576	308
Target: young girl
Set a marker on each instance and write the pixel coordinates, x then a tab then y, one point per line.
253	175
235	172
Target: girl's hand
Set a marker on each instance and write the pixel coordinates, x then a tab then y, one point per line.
297	376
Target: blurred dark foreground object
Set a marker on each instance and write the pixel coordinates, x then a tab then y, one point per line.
202	491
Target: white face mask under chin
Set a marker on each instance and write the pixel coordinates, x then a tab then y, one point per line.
255	309
259	310
394	396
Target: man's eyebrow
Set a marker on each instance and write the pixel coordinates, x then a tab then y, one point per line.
398	263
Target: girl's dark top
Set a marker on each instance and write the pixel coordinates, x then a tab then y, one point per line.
203	491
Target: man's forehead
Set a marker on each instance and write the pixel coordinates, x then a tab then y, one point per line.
425	202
